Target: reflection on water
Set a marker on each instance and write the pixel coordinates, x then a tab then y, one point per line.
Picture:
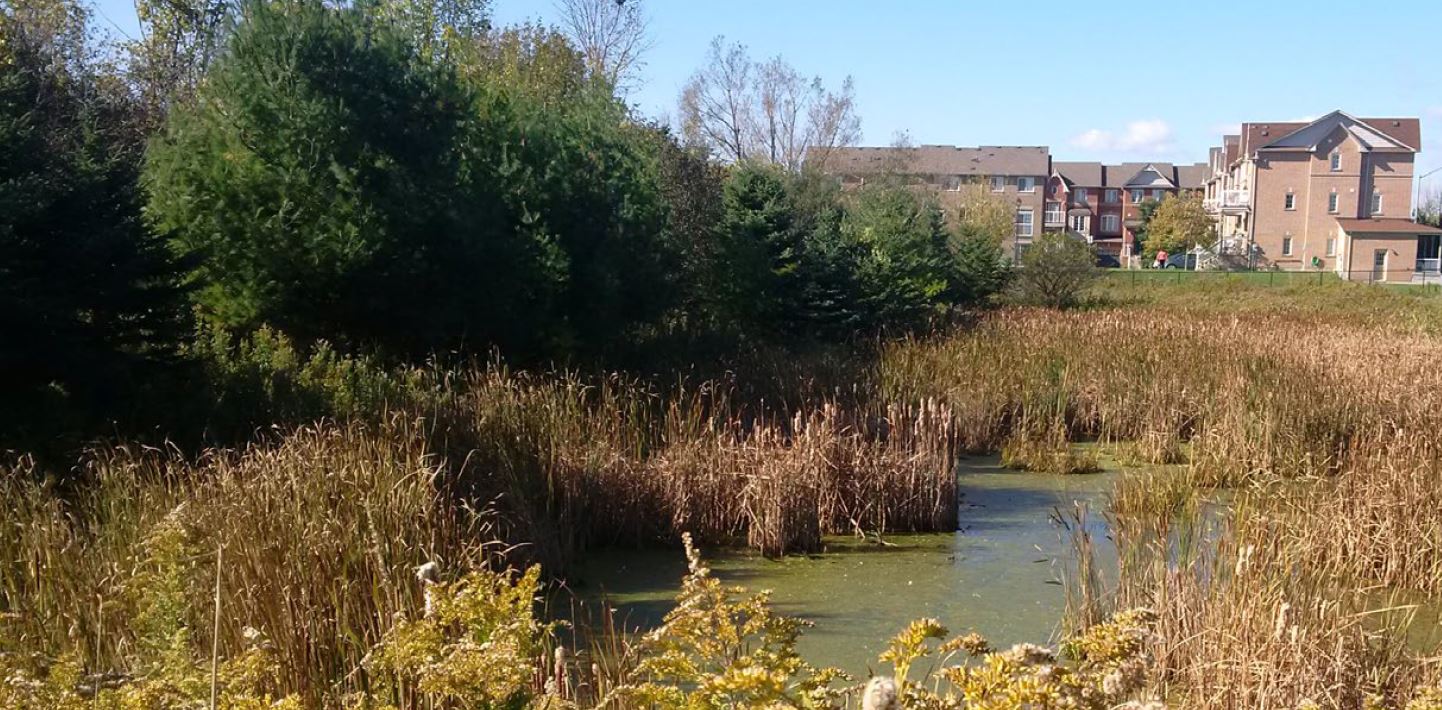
998	575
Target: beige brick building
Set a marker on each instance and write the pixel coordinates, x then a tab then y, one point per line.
1333	194
1018	174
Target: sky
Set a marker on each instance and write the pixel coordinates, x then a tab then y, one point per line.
1093	81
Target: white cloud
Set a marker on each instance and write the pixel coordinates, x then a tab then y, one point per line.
1152	136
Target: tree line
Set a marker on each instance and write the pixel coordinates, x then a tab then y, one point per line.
401	178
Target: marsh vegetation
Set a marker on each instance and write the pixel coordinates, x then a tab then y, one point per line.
1285	549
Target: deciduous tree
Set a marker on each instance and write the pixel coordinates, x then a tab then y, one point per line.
1055	271
741	110
612	35
1177	225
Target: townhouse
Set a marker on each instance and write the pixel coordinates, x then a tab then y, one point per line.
1330	194
1333	194
1103	203
1017	174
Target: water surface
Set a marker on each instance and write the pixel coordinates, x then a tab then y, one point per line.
998	575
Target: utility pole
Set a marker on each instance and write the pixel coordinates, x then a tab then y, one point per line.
1417	199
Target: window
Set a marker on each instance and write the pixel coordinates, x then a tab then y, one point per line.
1290	201
1332	203
1054	214
1023	223
1287	245
953	183
1079	223
1111	224
998	183
1112	196
1331	246
1336	161
1081	195
1138	196
1026	184
1158	195
1376	202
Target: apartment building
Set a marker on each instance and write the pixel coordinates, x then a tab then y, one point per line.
1015	173
1103	202
1334	193
1330	194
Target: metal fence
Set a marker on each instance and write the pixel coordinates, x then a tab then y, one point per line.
1420	277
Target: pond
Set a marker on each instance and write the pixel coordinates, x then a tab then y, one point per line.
998	575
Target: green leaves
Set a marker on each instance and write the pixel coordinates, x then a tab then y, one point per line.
333	181
903	266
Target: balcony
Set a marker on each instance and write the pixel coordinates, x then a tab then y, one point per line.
1231	201
1054	218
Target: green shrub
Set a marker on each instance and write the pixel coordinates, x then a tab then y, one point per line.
1055	271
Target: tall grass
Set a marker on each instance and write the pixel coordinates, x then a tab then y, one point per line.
320	528
1282	533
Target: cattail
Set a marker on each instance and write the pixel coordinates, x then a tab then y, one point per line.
880	694
563	684
429	575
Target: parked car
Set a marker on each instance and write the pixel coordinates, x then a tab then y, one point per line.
1108	261
1186	261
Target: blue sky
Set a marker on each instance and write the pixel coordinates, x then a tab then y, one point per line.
1095	81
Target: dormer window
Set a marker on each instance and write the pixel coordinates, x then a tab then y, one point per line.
1336	161
998	183
1026	184
1081	195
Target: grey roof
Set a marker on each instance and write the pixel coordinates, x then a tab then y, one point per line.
1117	175
1080	174
1194	176
1123	175
941	160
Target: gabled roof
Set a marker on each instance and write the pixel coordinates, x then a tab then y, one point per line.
1378	225
1256	135
1367	135
941	160
1144	175
1082	174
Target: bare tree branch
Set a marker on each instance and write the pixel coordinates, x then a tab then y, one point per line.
741	110
613	35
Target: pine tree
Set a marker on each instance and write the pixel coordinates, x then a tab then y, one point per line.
89	298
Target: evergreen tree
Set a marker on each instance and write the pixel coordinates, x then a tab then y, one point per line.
336	182
763	247
980	263
89	299
904	269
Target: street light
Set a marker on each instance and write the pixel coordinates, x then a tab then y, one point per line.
1417	216
1417	199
